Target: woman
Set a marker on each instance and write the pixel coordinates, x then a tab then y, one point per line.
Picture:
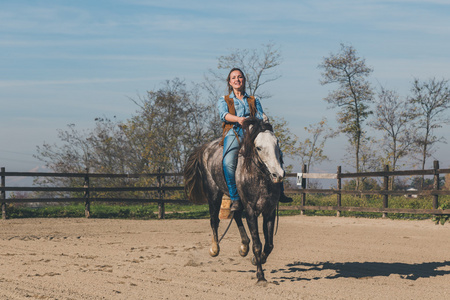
233	110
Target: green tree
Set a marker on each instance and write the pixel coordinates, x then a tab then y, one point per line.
168	126
369	184
353	95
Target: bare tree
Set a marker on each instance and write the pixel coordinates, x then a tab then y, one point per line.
432	99
72	155
353	95
395	119
286	138
212	87
259	66
103	149
311	149
170	123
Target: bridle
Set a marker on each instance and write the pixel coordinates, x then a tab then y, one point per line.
257	161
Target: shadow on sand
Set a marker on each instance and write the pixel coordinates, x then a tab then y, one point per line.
297	271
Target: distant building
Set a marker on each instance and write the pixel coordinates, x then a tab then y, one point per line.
411	195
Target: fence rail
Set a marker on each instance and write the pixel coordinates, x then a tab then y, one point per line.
87	190
386	174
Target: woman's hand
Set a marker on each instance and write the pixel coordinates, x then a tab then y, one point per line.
241	120
235	119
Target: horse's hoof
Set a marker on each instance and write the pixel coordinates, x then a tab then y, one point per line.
214	250
243	250
254	261
262	282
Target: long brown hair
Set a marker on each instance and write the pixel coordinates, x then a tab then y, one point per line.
230	88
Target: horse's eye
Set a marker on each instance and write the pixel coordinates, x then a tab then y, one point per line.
258	148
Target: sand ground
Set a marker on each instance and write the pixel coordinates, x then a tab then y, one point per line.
314	258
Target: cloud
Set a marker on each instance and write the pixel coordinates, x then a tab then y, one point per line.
45	19
17	83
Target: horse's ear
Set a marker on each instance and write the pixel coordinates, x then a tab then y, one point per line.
265	118
248	124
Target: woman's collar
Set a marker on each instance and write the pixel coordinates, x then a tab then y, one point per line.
232	95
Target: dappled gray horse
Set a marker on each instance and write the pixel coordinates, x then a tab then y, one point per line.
259	173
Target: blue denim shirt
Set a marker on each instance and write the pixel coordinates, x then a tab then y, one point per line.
241	107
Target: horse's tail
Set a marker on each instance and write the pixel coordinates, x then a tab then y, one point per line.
194	173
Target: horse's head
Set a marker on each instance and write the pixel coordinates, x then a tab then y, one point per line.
261	141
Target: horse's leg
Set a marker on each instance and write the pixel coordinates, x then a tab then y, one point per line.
268	227
214	220
252	221
245	241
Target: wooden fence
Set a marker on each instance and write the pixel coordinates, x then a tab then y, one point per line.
88	189
385	192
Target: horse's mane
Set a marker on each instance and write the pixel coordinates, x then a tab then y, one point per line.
252	127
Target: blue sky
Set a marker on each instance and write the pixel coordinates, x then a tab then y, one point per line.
65	62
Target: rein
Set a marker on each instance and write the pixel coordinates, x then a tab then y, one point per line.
257	161
228	227
260	164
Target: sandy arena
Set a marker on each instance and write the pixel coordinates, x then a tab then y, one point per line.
314	258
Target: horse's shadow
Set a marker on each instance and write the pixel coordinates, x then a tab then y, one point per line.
297	271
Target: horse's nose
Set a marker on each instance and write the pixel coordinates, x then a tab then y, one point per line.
277	178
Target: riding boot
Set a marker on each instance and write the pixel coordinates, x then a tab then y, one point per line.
285	199
236	206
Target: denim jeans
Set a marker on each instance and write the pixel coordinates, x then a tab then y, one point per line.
230	153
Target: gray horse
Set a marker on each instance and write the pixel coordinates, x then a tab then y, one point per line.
259	173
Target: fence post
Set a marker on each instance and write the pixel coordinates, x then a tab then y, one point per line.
339	186
386	188
302	212
3	194
161	206
87	203
436	184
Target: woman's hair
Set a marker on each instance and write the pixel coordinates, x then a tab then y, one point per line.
230	88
